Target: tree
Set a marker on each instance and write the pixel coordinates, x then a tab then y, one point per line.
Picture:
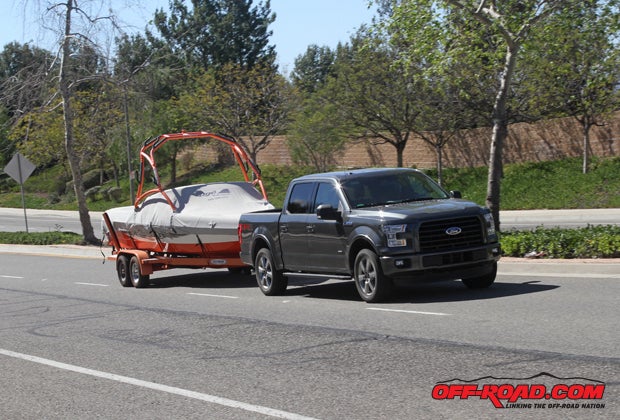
80	67
97	114
313	68
145	72
23	87
64	85
23	81
574	66
318	132
217	32
148	66
423	24
7	147
249	105
377	92
39	135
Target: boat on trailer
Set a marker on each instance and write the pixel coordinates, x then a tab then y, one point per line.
192	226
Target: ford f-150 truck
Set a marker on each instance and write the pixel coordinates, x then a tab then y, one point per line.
375	226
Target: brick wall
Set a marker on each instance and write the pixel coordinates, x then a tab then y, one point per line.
546	140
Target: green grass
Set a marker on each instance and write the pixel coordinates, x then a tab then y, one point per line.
41	238
544	185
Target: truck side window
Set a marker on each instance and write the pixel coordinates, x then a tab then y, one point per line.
300	198
327	194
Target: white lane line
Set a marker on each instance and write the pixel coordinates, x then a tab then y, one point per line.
92	284
210	295
159	387
568	274
408	312
11	277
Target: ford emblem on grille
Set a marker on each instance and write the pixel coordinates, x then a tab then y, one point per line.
454	230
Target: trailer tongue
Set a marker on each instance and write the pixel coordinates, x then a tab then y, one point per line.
193	226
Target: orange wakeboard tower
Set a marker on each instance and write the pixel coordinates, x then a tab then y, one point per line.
250	170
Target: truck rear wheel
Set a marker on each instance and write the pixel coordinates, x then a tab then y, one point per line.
122	269
270	281
371	284
137	279
482	281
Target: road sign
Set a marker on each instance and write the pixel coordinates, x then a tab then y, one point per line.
19	168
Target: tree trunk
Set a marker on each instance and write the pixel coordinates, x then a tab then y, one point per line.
127	141
500	132
173	165
74	162
400	149
586	145
439	150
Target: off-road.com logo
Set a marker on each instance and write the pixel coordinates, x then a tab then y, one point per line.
523	395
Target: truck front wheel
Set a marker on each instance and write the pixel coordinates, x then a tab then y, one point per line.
270	281
482	281
370	282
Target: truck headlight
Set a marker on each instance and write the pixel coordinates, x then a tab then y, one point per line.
393	237
490	222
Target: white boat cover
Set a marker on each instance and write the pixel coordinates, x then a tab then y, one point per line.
207	213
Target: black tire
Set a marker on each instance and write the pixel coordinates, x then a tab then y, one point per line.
270	281
371	284
122	269
481	282
138	280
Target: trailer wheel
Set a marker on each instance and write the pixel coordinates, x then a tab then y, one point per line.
137	279
270	281
122	269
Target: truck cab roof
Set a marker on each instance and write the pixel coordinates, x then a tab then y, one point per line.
355	173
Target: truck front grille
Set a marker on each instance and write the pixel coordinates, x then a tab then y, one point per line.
433	236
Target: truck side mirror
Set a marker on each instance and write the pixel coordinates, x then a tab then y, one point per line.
327	212
455	194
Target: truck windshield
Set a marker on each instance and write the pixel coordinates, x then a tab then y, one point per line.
392	188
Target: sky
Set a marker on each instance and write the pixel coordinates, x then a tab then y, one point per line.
298	24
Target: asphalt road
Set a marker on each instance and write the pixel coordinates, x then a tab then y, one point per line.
13	220
208	344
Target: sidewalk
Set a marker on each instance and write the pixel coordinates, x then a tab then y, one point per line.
594	268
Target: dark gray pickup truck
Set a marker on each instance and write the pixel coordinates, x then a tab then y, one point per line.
374	225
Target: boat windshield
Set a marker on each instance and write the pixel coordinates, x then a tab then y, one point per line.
392	188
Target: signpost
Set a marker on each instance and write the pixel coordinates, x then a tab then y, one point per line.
20	168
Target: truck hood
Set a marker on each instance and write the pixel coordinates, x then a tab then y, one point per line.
420	210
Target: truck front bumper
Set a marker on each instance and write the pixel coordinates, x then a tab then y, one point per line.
452	265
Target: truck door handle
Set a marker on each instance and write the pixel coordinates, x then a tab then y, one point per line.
283	229
310	228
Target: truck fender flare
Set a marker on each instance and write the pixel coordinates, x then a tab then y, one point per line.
360	238
261	239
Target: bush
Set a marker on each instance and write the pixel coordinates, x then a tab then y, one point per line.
116	194
588	242
40	238
92	193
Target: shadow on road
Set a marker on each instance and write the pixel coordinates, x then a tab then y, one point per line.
220	279
344	290
447	291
